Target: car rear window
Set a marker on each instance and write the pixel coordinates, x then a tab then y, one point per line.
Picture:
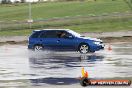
35	34
49	34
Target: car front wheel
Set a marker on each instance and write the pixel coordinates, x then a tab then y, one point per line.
84	48
38	48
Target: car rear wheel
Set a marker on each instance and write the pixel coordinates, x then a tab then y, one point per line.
84	48
38	48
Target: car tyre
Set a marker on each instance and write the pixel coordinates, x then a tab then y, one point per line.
84	48
85	82
38	48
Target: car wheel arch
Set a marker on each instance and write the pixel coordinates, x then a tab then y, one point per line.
38	45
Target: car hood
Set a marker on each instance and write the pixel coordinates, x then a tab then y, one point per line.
93	39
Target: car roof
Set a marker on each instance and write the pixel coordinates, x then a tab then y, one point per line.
53	30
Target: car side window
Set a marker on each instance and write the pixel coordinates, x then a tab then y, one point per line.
48	34
63	34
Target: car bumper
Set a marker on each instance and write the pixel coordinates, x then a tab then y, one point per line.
102	46
30	46
97	47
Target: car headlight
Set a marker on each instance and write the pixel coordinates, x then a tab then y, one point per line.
97	43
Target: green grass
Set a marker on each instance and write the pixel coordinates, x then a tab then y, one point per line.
61	9
83	12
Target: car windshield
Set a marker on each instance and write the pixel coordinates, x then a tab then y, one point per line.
74	33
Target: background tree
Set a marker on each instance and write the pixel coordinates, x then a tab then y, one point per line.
23	1
5	1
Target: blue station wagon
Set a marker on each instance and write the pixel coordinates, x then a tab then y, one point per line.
63	40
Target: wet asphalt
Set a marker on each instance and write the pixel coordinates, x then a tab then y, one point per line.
20	67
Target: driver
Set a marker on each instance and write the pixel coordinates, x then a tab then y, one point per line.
61	34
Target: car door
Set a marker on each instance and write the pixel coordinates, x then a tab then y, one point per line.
49	39
67	42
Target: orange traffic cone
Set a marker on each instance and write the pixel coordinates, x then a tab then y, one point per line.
86	74
109	47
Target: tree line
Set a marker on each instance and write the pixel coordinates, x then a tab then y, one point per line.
23	1
128	2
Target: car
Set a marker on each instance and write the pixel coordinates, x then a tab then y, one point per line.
63	40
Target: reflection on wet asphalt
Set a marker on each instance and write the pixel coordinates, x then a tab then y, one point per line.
22	67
